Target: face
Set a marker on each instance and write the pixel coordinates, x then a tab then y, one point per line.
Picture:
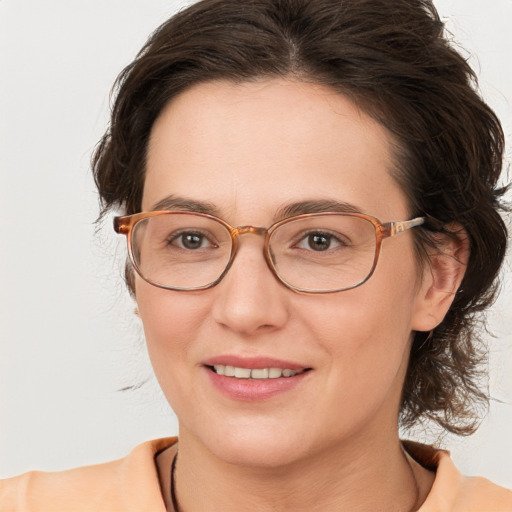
247	151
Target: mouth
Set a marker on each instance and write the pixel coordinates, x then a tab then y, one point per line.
237	372
254	378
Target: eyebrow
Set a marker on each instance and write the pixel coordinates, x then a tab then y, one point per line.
177	203
315	206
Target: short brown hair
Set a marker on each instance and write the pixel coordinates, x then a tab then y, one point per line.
392	59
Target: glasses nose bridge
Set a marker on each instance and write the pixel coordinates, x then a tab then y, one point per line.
247	230
251	230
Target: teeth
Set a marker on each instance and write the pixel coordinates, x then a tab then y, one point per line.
259	373
256	373
242	373
274	373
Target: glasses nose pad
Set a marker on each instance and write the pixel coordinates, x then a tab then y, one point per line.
270	259
232	256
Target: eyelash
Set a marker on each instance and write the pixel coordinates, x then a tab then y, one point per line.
174	239
303	237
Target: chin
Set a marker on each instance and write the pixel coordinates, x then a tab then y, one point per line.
265	446
251	453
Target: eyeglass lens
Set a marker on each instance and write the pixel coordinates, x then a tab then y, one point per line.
319	252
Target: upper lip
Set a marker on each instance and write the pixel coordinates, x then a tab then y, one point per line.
253	362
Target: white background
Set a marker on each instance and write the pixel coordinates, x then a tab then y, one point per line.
68	337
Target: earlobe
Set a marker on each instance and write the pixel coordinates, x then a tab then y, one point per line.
443	274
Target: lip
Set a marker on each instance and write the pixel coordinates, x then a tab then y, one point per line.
254	363
254	390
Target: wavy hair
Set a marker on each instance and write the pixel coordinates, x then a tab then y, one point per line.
393	59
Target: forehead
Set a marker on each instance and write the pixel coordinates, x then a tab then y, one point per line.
254	147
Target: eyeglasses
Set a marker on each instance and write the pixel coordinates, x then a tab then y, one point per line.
312	253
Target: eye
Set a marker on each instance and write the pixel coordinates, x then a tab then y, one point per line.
319	241
190	240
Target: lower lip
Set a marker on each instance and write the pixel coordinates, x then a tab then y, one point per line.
251	390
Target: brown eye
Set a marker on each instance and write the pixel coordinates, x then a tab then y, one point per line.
190	240
319	242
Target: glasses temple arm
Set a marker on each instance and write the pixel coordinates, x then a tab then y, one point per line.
397	227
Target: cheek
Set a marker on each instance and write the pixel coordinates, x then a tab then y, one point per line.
165	316
171	320
362	334
366	332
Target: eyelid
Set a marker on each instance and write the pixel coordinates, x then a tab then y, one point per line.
322	232
184	231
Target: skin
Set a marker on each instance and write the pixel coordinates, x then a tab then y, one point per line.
332	441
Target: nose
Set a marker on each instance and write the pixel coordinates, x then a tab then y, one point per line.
250	300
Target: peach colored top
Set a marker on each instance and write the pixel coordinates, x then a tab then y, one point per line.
131	485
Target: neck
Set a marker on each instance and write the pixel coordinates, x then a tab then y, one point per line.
377	476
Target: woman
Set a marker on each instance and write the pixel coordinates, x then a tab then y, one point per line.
320	226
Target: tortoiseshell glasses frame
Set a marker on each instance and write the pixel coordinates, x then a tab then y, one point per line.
126	224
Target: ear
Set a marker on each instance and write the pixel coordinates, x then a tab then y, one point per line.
442	275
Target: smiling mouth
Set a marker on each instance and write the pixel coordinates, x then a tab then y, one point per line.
254	373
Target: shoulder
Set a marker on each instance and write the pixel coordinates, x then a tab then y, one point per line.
479	494
127	484
454	492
